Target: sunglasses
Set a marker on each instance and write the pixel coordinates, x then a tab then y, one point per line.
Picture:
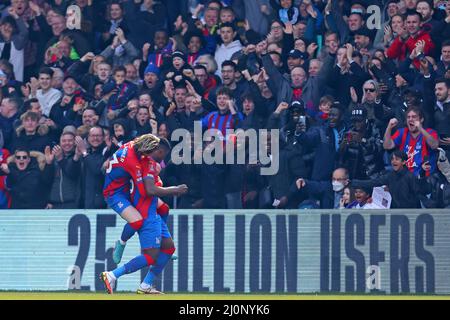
369	90
21	157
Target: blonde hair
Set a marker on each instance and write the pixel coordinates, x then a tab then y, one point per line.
146	143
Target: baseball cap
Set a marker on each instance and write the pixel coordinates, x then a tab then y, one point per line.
358	114
297	54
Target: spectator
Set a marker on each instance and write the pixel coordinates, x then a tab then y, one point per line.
29	176
403	186
408	39
362	198
9	113
42	90
438	108
229	45
329	194
347	197
92	155
325	140
30	135
65	190
361	150
121	51
14	35
417	142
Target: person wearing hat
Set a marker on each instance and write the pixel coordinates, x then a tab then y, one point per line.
296	58
363	43
152	76
361	150
178	60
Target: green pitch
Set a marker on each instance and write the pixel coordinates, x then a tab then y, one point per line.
193	296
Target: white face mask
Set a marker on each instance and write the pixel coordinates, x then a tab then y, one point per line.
337	186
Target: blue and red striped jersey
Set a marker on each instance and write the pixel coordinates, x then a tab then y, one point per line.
221	122
416	149
125	175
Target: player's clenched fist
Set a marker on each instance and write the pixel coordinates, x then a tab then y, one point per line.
182	189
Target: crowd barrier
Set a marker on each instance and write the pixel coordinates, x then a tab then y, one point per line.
251	251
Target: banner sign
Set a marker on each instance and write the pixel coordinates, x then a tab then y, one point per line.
252	251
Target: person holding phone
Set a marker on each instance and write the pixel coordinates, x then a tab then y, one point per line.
362	150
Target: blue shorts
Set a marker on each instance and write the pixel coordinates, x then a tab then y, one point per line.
152	232
118	202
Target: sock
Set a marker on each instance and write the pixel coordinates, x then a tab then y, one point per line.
130	229
133	265
127	233
163	211
156	269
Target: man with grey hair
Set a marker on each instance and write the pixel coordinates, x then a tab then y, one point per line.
377	111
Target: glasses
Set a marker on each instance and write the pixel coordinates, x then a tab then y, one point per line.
21	157
369	90
275	28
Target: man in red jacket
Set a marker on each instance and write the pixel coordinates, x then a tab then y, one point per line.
405	43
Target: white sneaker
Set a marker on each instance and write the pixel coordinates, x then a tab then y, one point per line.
109	281
149	290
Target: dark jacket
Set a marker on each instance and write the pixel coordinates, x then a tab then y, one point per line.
93	179
7	126
35	142
29	189
323	141
363	159
318	190
404	188
66	185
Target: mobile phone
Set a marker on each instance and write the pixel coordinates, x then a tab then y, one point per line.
302	120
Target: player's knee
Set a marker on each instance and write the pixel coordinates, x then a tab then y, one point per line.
169	251
163	209
151	255
137	225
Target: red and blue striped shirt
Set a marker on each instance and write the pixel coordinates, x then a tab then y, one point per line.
416	149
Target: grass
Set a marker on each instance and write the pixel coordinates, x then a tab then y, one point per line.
211	296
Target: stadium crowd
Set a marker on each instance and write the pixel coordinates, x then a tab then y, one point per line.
357	106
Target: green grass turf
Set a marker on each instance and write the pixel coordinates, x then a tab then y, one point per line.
211	296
